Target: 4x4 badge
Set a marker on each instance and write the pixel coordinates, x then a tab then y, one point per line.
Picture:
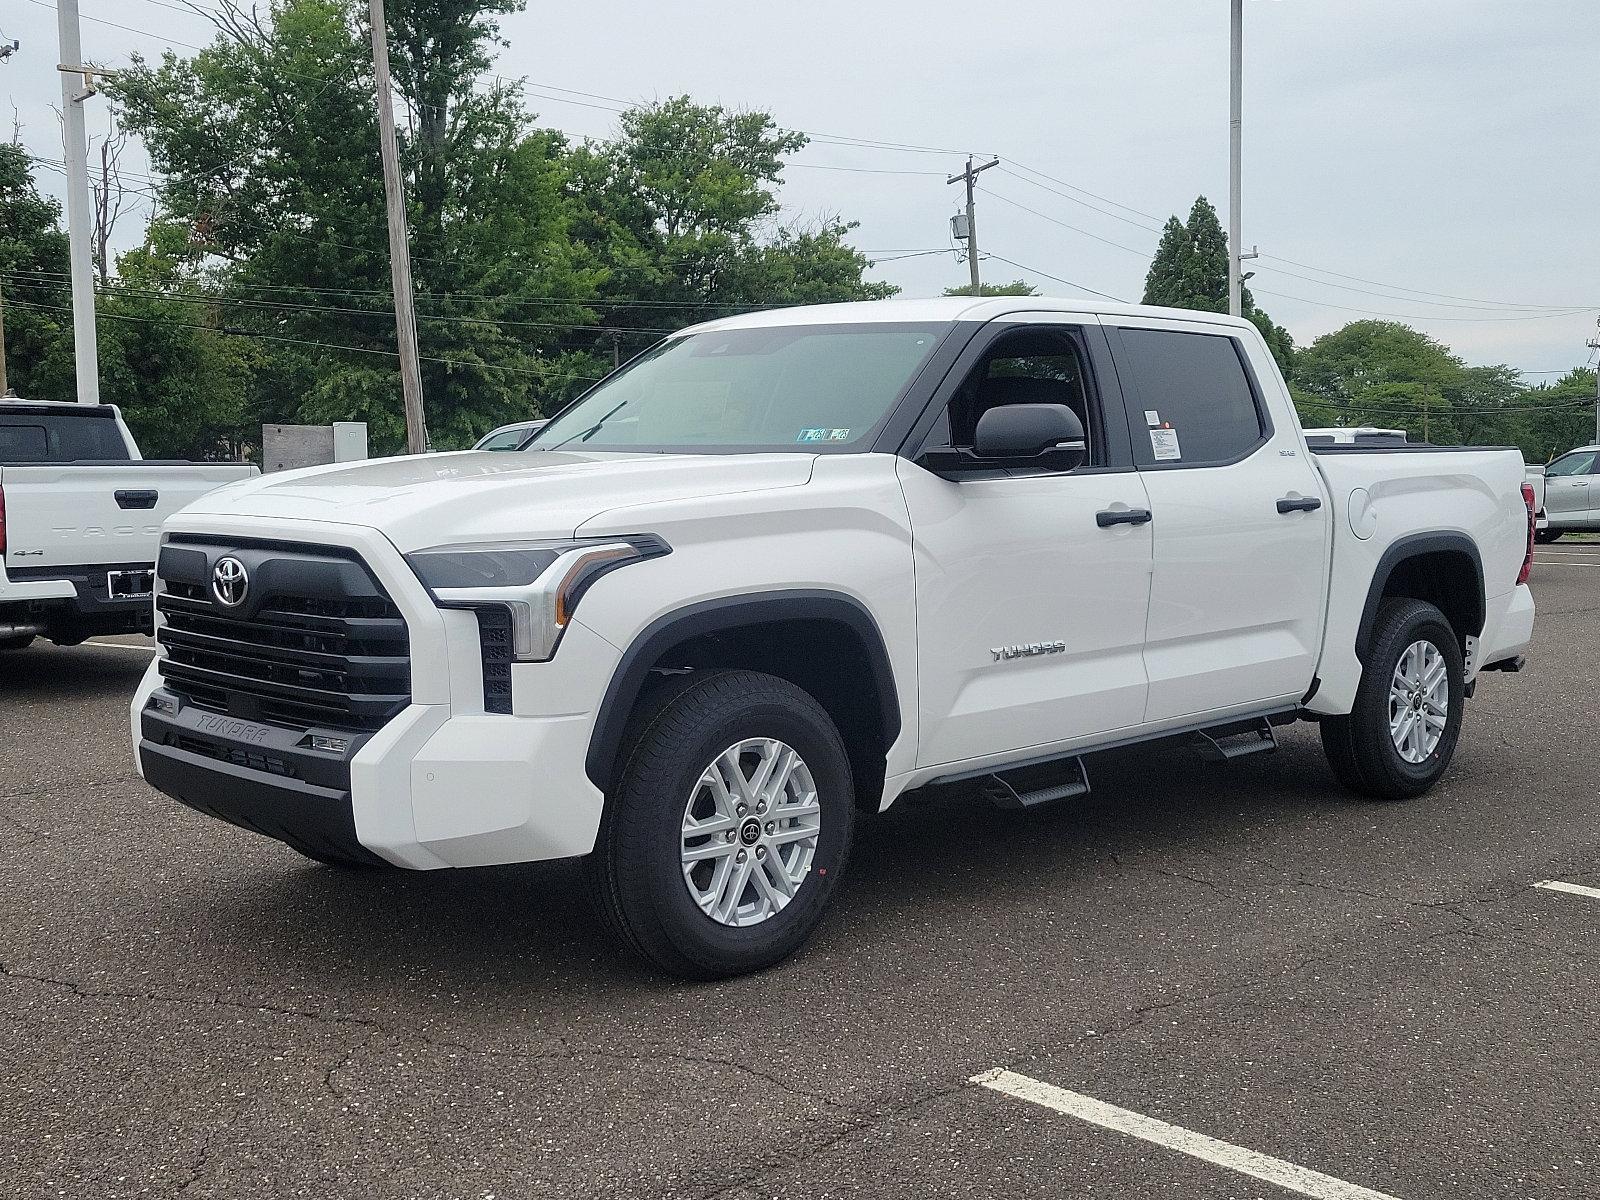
230	582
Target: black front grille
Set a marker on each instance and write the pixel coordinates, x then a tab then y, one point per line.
318	644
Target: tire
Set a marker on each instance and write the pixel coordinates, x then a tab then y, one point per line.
16	643
720	722
1362	749
1545	536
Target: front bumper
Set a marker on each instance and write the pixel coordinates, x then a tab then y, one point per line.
442	784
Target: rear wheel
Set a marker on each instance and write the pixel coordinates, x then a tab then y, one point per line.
728	828
16	643
1545	536
1401	734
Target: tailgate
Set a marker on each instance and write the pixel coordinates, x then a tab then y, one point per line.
79	514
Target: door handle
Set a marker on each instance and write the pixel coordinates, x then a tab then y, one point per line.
1289	504
132	499
1122	516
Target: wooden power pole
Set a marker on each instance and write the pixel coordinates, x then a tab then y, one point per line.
405	320
970	178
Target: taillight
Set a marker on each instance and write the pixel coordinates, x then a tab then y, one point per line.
2	521
1527	558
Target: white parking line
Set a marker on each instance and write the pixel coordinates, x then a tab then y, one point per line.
1577	889
1545	562
1173	1137
120	646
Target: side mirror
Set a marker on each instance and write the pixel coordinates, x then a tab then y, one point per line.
1043	435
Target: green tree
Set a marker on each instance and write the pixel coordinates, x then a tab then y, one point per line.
534	261
1558	416
1385	373
675	217
267	142
33	266
1190	270
1016	287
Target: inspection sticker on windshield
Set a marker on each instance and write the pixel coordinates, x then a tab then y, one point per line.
1152	418
838	435
812	435
1164	444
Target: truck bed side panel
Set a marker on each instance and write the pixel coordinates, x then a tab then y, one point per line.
1381	498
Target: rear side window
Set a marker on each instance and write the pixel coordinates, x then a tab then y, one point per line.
1191	403
59	437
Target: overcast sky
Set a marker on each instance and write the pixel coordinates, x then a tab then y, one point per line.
1446	147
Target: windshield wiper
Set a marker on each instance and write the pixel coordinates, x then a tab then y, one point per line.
583	435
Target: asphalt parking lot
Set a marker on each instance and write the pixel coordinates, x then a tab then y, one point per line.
1378	995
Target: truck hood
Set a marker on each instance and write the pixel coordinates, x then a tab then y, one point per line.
481	495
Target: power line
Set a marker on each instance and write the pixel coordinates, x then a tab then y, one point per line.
1056	278
1074	200
1054	221
1474	305
1398	288
1543	316
269	337
180	298
160	37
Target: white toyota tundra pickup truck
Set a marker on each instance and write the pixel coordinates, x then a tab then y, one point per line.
80	520
784	568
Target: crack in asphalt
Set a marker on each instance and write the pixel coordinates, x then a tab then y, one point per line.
563	1050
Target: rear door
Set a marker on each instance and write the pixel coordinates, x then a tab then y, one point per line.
1241	532
1030	603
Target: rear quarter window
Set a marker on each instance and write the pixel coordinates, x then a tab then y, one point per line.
1191	402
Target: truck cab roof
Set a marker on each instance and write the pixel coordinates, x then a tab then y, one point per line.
952	309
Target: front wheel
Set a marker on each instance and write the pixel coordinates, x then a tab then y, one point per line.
1401	734
16	643
729	826
1545	536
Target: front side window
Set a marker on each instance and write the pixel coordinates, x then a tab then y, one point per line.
1038	365
798	387
1572	464
1191	403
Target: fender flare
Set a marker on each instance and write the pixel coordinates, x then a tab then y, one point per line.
1411	546
713	616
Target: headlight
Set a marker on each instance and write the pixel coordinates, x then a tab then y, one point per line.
538	583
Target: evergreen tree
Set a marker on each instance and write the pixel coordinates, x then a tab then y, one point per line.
1190	270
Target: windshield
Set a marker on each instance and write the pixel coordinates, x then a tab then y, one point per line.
810	387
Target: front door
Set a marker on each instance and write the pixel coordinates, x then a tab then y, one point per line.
1030	610
1569	492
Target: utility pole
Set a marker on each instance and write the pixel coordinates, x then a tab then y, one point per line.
5	388
970	178
1594	344
616	347
405	320
76	146
1235	161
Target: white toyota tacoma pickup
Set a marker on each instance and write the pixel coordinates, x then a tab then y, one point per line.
80	520
784	568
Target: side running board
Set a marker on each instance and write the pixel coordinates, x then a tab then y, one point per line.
1033	787
1228	742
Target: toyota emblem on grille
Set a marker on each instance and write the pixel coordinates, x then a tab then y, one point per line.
229	582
